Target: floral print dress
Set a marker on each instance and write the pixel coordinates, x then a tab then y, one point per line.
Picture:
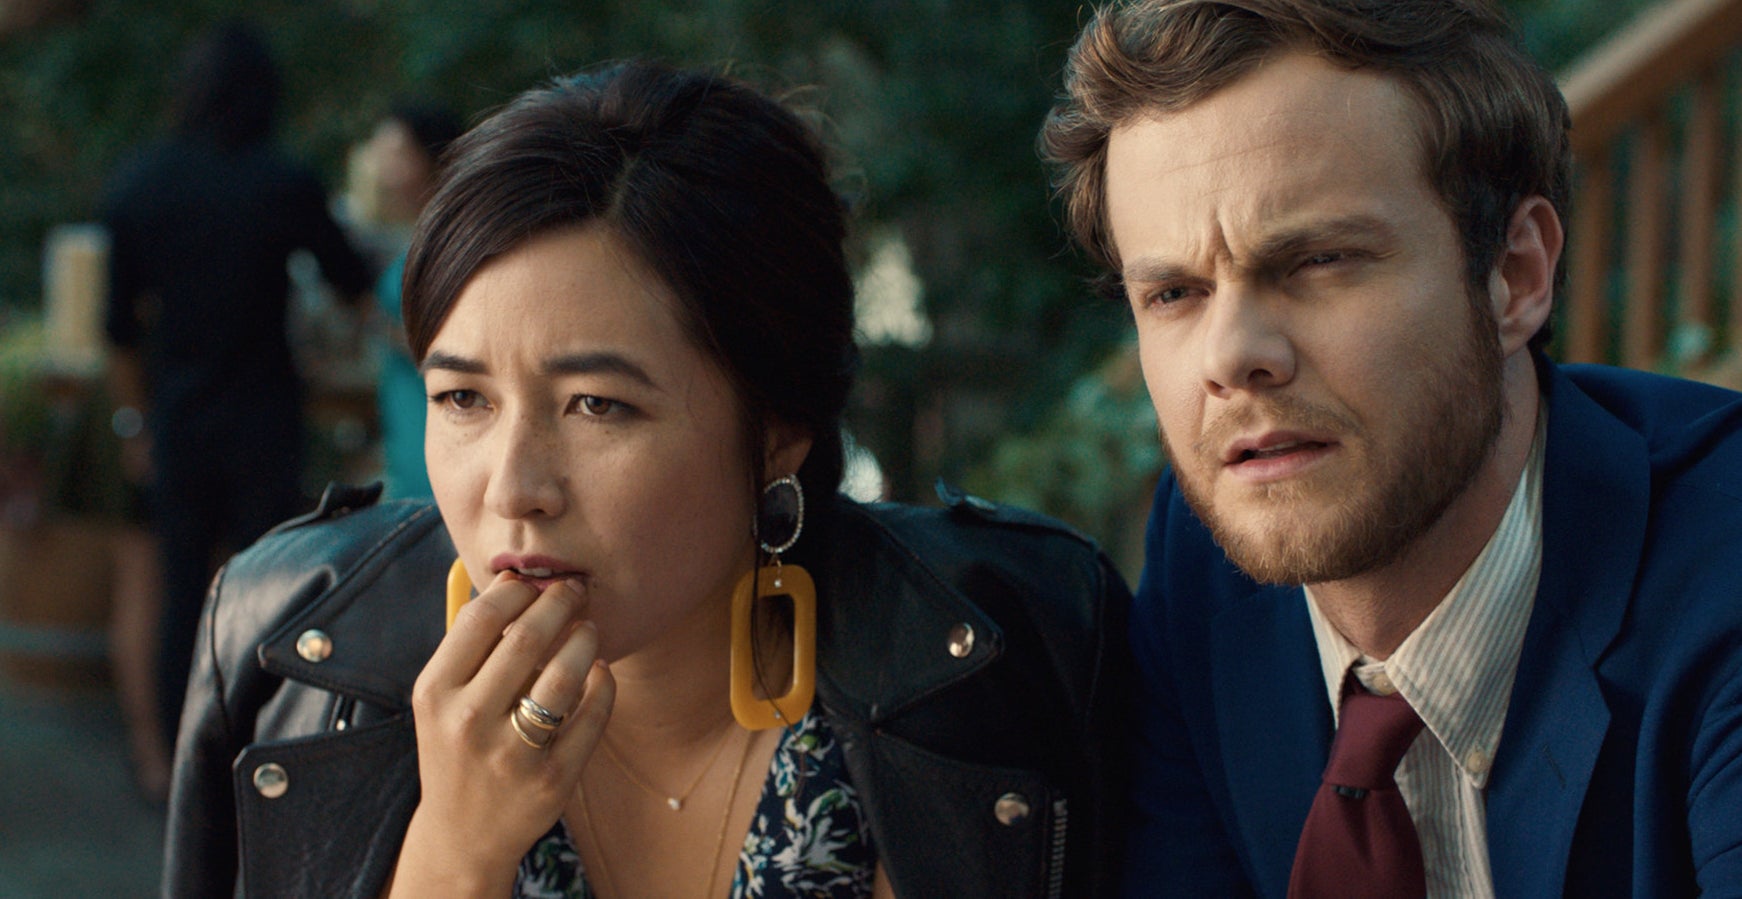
808	837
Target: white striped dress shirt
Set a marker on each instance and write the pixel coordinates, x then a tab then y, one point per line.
1456	670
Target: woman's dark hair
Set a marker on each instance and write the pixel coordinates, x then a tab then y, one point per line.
719	189
229	87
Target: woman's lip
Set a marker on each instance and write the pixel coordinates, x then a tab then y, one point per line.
557	568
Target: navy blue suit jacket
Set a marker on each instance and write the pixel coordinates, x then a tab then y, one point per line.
1619	771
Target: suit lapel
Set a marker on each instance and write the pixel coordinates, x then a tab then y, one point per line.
1596	493
1274	724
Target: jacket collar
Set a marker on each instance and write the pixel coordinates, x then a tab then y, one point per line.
1596	504
890	623
368	633
1273	723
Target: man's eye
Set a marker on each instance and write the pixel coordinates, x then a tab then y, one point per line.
1324	258
1166	296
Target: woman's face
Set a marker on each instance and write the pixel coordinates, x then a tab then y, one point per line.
576	431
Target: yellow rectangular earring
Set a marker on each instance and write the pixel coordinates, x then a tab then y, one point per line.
459	590
779	521
756	713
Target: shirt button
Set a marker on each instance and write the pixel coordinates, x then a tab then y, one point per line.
314	646
961	640
1382	684
271	780
1477	761
1011	809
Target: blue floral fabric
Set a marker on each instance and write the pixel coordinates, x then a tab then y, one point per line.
808	838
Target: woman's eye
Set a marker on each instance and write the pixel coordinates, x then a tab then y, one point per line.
587	404
460	400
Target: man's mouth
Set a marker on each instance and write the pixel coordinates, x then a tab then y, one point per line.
1280	449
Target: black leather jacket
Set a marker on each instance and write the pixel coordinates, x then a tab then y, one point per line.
994	771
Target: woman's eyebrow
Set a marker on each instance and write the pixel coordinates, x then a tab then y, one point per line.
441	361
602	362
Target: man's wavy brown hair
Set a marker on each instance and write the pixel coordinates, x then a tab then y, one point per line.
1492	123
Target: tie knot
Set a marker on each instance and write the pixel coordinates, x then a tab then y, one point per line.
1372	736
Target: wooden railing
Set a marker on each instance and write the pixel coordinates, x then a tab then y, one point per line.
1654	128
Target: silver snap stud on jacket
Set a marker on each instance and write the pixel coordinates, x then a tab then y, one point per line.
314	645
961	641
271	780
1011	809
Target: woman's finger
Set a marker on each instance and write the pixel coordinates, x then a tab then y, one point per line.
580	734
560	685
477	628
527	644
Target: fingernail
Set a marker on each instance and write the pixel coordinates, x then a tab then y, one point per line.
574	586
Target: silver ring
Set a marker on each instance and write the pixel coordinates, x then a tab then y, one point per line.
537	715
514	719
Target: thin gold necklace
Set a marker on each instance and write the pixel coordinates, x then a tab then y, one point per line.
673	802
719	836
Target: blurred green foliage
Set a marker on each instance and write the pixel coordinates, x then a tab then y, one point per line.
933	105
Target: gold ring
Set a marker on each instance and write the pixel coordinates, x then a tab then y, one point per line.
538	716
514	718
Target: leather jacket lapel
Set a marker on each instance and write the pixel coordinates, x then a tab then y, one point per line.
344	646
888	626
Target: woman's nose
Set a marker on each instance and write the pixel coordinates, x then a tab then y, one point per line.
528	478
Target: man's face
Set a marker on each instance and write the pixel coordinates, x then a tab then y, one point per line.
1325	381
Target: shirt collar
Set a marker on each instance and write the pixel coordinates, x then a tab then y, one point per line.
1456	668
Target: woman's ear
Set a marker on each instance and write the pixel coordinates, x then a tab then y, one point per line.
1521	286
785	447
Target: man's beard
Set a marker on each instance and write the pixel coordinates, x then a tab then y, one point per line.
1452	421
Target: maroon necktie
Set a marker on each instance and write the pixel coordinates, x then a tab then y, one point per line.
1358	840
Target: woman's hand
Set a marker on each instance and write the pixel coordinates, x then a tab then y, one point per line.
487	794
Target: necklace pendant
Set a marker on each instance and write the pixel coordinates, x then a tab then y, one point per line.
674	803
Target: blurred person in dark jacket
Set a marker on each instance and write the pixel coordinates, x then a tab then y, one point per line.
203	223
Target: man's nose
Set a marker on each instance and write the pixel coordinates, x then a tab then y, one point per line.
1245	341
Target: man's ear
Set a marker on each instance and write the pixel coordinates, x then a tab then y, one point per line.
1521	286
785	447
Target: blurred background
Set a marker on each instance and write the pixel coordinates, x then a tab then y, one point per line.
988	361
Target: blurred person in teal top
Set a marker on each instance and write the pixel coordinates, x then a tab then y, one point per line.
404	151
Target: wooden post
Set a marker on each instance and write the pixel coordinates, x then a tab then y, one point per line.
1699	213
1587	318
1642	328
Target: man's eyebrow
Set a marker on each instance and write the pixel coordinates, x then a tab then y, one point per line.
1275	247
1152	271
1291	241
